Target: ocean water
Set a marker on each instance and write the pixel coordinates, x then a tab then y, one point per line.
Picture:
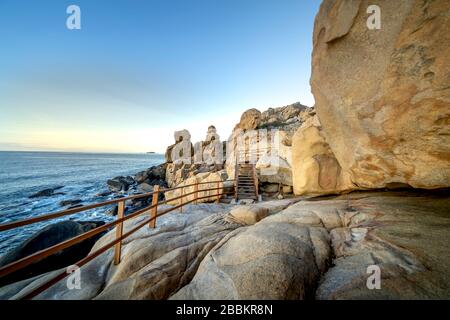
82	175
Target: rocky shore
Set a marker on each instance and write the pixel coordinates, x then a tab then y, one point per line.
357	185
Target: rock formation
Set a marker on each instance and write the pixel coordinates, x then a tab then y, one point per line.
202	179
205	156
315	169
176	247
383	96
322	249
270	135
45	238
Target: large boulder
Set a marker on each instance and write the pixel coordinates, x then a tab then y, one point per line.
250	120
316	170
277	258
45	238
208	180
274	169
267	133
248	214
383	96
120	183
155	262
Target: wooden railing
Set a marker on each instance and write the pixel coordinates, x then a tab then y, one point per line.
151	210
248	154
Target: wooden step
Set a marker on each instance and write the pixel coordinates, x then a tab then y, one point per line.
247	193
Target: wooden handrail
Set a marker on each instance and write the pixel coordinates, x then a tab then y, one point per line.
99	251
49	216
38	256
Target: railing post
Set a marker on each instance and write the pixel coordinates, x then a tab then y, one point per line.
154	210
218	195
119	232
181	200
255	178
196	192
236	176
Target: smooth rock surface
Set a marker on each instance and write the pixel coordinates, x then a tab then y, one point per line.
316	170
383	96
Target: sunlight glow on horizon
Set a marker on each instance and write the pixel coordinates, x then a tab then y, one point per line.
160	67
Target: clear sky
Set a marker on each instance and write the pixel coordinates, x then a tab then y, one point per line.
139	70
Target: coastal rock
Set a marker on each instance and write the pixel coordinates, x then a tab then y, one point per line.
203	196
250	120
45	238
270	188
71	203
272	137
248	214
316	170
183	150
273	259
403	234
140	177
47	192
118	184
144	187
274	169
385	118
207	157
176	247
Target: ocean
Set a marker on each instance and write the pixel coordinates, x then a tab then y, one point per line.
82	176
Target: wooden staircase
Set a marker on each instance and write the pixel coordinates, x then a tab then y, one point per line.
246	182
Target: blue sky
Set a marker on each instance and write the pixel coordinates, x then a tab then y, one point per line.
138	70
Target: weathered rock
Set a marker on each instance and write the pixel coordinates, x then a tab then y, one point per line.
248	215
270	188
45	238
286	189
203	196
250	120
176	246
183	150
315	169
273	259
274	169
144	187
120	183
386	114
404	235
268	133
140	176
47	192
72	202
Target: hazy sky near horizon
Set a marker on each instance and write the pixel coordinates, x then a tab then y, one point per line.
139	70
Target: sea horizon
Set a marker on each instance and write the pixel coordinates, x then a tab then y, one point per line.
81	176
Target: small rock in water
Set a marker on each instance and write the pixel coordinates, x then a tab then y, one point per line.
120	183
145	187
70	202
103	194
47	192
